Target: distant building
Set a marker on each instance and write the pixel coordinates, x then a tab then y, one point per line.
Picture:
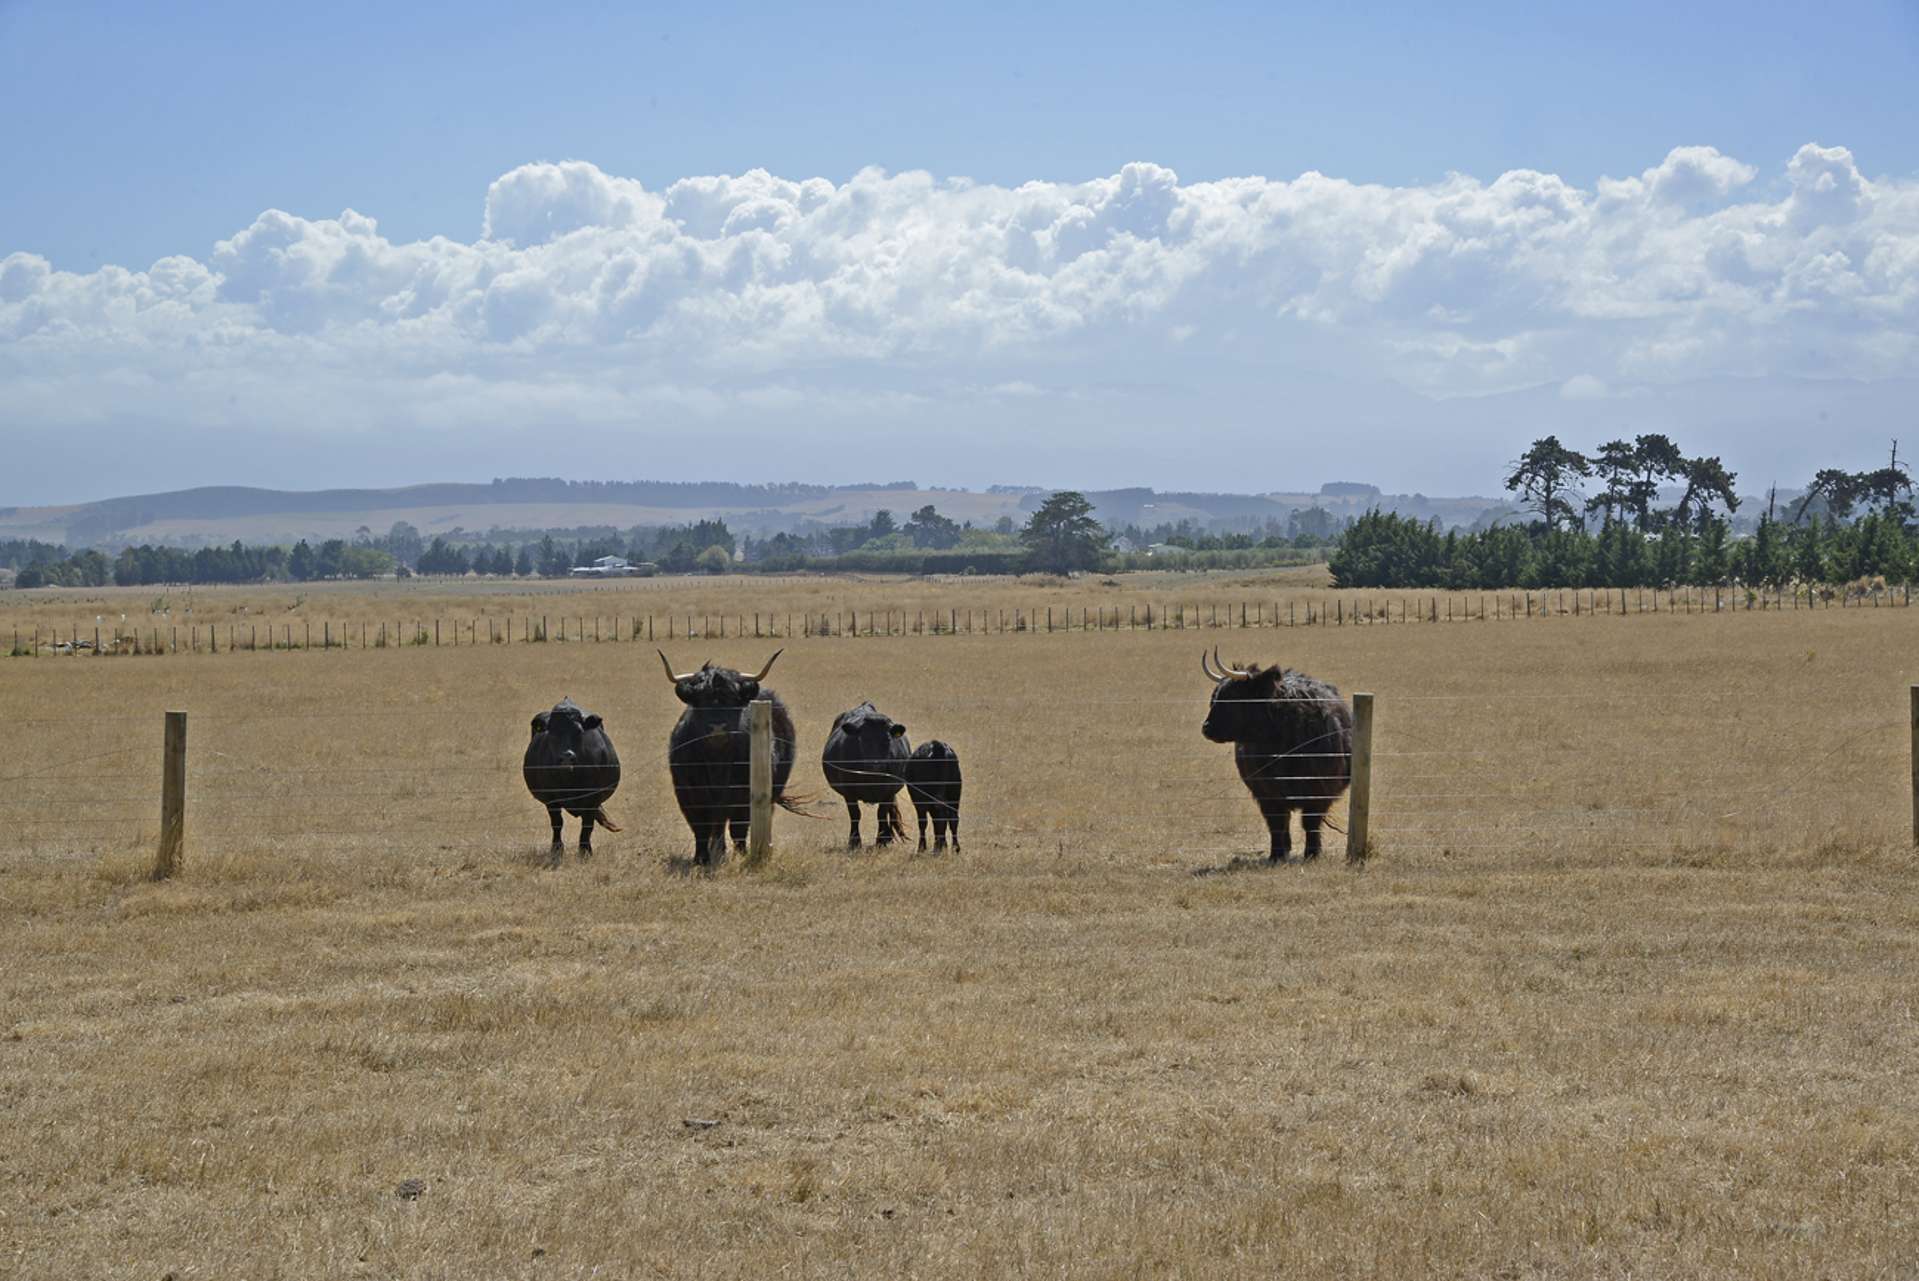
615	567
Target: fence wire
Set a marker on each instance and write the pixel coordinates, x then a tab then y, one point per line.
1360	607
1483	785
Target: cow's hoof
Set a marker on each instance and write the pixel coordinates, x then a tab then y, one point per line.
586	852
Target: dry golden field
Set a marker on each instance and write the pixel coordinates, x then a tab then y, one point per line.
450	613
1627	990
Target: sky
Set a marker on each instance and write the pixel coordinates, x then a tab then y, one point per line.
1248	247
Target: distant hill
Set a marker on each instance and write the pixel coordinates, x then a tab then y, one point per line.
221	514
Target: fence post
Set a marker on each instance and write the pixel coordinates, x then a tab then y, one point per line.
1359	808
759	832
173	797
1915	764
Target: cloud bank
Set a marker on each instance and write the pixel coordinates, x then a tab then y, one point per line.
588	298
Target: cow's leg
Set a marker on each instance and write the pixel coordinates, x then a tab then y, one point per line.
889	821
853	824
1310	817
742	826
703	833
922	812
558	851
1279	825
948	821
586	834
721	816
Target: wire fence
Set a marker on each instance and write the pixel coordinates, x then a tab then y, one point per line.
1638	776
1330	609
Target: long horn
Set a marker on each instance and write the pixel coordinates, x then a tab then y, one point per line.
761	675
1207	667
669	669
1226	667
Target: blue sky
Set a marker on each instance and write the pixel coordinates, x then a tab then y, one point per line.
141	130
137	133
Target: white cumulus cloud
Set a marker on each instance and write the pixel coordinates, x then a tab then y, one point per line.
586	293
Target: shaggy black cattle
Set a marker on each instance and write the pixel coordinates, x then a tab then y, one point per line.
710	753
865	760
1292	739
571	768
933	781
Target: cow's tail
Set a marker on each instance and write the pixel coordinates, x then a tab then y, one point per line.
606	822
799	805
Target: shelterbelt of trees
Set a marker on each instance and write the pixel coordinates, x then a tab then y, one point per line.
1061	536
1845	526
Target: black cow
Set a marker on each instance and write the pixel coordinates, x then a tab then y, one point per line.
570	767
710	754
865	760
1292	739
933	781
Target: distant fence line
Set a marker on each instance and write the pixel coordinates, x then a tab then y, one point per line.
1335	610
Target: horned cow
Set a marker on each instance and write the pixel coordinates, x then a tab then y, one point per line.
1292	740
710	753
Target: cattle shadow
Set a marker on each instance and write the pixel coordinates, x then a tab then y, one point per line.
1261	863
1244	863
540	858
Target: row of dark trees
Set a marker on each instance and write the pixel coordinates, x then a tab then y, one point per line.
1633	477
1302	530
18	553
1061	536
1384	550
1659	522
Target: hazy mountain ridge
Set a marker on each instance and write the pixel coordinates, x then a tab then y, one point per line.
220	514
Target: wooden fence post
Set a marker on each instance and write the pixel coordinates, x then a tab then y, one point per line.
759	838
173	797
1359	809
1915	764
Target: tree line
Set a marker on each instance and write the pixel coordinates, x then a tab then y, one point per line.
1061	536
1662	519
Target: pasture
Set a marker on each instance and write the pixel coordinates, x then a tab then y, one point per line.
1627	989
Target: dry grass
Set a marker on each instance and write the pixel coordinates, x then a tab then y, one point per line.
284	612
1627	992
457	612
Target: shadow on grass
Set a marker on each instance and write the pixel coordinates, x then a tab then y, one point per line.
1255	863
1241	863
